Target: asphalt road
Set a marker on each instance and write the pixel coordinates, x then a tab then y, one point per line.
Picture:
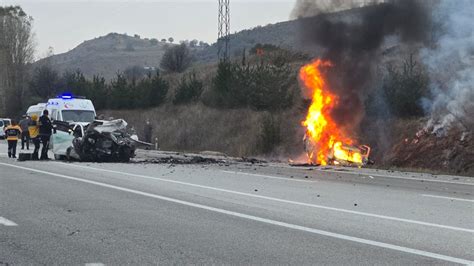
239	213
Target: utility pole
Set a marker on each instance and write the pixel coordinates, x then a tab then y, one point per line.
223	35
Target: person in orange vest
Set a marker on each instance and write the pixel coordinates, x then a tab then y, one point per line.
12	133
33	129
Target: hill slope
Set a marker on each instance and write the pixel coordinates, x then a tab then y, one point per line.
114	52
109	54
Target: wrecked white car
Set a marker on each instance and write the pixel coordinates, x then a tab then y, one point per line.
101	141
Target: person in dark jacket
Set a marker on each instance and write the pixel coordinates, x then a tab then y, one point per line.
25	135
45	131
148	130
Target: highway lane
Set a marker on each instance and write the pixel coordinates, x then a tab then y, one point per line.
143	213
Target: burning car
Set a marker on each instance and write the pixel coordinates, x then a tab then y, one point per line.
339	154
327	142
101	141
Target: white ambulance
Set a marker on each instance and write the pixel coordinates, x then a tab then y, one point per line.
71	109
36	109
75	110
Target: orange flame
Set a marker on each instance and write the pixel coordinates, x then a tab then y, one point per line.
327	137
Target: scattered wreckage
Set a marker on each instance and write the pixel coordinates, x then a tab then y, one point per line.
100	141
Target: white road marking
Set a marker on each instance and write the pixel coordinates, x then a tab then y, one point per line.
6	222
449	198
267	176
283	200
94	264
259	219
378	175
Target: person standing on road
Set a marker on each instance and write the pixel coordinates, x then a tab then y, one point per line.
33	129
12	133
148	131
45	131
25	134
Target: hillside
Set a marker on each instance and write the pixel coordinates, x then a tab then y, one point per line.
109	54
114	52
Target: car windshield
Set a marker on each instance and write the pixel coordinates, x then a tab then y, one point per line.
78	115
6	122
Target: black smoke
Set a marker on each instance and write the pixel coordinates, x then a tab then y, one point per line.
353	39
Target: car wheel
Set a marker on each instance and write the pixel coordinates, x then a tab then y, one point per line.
59	157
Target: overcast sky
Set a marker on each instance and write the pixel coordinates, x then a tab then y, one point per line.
66	23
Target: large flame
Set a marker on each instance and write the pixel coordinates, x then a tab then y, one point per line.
326	135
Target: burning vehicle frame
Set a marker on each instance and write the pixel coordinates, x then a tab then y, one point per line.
325	141
101	141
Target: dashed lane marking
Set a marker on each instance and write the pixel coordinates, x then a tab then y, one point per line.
6	222
448	198
267	176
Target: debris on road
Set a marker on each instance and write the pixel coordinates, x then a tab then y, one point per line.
252	160
304	164
183	160
207	157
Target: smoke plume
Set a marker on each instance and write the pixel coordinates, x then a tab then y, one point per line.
309	8
353	43
451	67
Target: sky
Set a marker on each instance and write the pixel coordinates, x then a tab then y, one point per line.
64	24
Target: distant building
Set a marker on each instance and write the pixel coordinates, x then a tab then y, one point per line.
149	68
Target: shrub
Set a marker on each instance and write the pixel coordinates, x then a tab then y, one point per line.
152	91
189	90
44	82
98	92
404	87
121	95
262	86
176	58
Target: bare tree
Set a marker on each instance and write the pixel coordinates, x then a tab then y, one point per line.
16	53
176	58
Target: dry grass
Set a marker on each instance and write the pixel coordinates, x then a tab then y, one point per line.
197	127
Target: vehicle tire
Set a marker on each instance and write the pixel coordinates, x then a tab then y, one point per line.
124	154
59	157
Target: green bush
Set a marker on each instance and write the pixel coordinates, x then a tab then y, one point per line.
189	89
151	91
261	86
404	87
120	93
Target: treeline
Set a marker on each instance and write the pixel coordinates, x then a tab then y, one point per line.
123	92
16	54
263	83
260	86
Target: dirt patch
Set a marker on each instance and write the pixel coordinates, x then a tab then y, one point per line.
452	152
